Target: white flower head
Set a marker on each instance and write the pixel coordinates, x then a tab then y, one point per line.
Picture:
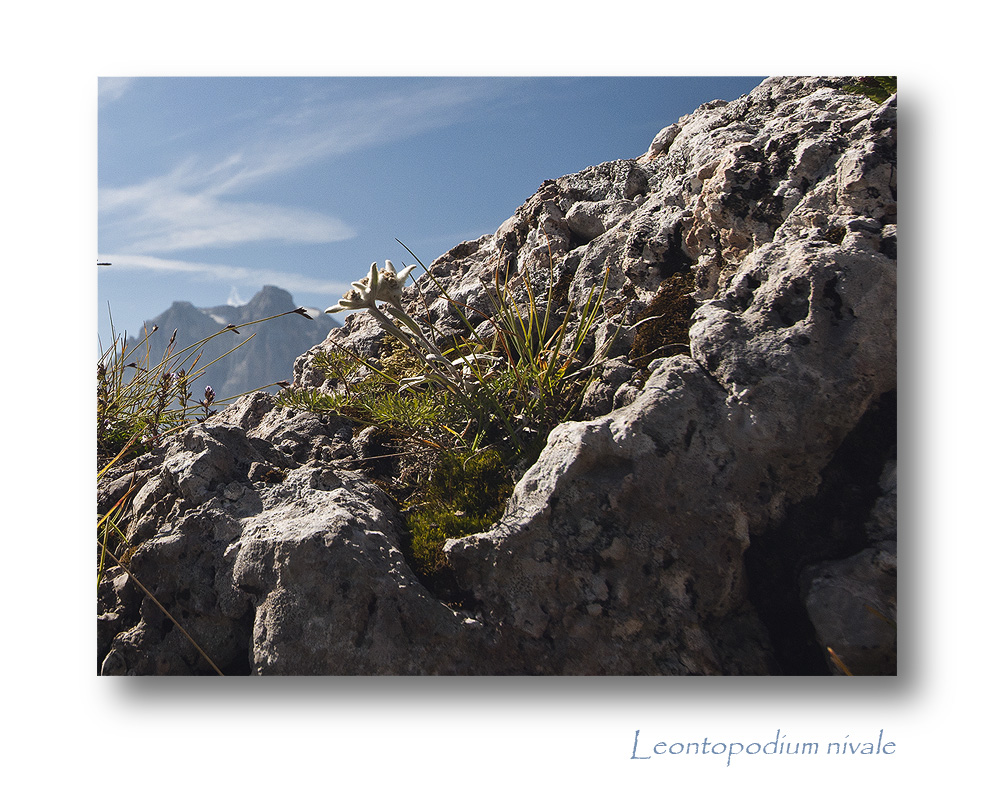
390	283
385	285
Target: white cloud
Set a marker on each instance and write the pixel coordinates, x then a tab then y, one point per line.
183	210
226	273
197	204
111	89
169	220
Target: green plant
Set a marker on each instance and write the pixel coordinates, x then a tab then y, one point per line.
141	398
371	394
524	378
140	401
475	408
464	494
543	363
877	88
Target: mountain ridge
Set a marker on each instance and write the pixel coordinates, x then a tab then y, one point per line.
259	363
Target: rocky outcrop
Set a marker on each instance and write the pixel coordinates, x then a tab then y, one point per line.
724	505
270	557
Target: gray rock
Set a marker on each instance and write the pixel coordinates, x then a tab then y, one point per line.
852	602
661	142
332	592
270	564
611	559
794	341
615	379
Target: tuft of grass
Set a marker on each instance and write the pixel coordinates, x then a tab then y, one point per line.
505	389
530	373
542	357
142	398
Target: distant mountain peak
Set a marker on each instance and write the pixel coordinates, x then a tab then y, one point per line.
268	358
268	301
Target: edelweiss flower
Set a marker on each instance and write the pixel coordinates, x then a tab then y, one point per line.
385	285
390	283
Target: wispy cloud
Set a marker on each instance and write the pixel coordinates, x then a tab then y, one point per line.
321	125
200	203
186	209
162	217
226	273
111	89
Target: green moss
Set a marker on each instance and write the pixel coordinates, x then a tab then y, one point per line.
669	314
877	88
465	494
397	362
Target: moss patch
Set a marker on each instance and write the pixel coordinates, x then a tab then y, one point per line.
465	494
669	315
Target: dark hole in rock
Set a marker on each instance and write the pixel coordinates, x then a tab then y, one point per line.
825	527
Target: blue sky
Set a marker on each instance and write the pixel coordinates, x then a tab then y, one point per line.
210	188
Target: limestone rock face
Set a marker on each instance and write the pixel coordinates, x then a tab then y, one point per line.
612	560
723	505
332	592
273	560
